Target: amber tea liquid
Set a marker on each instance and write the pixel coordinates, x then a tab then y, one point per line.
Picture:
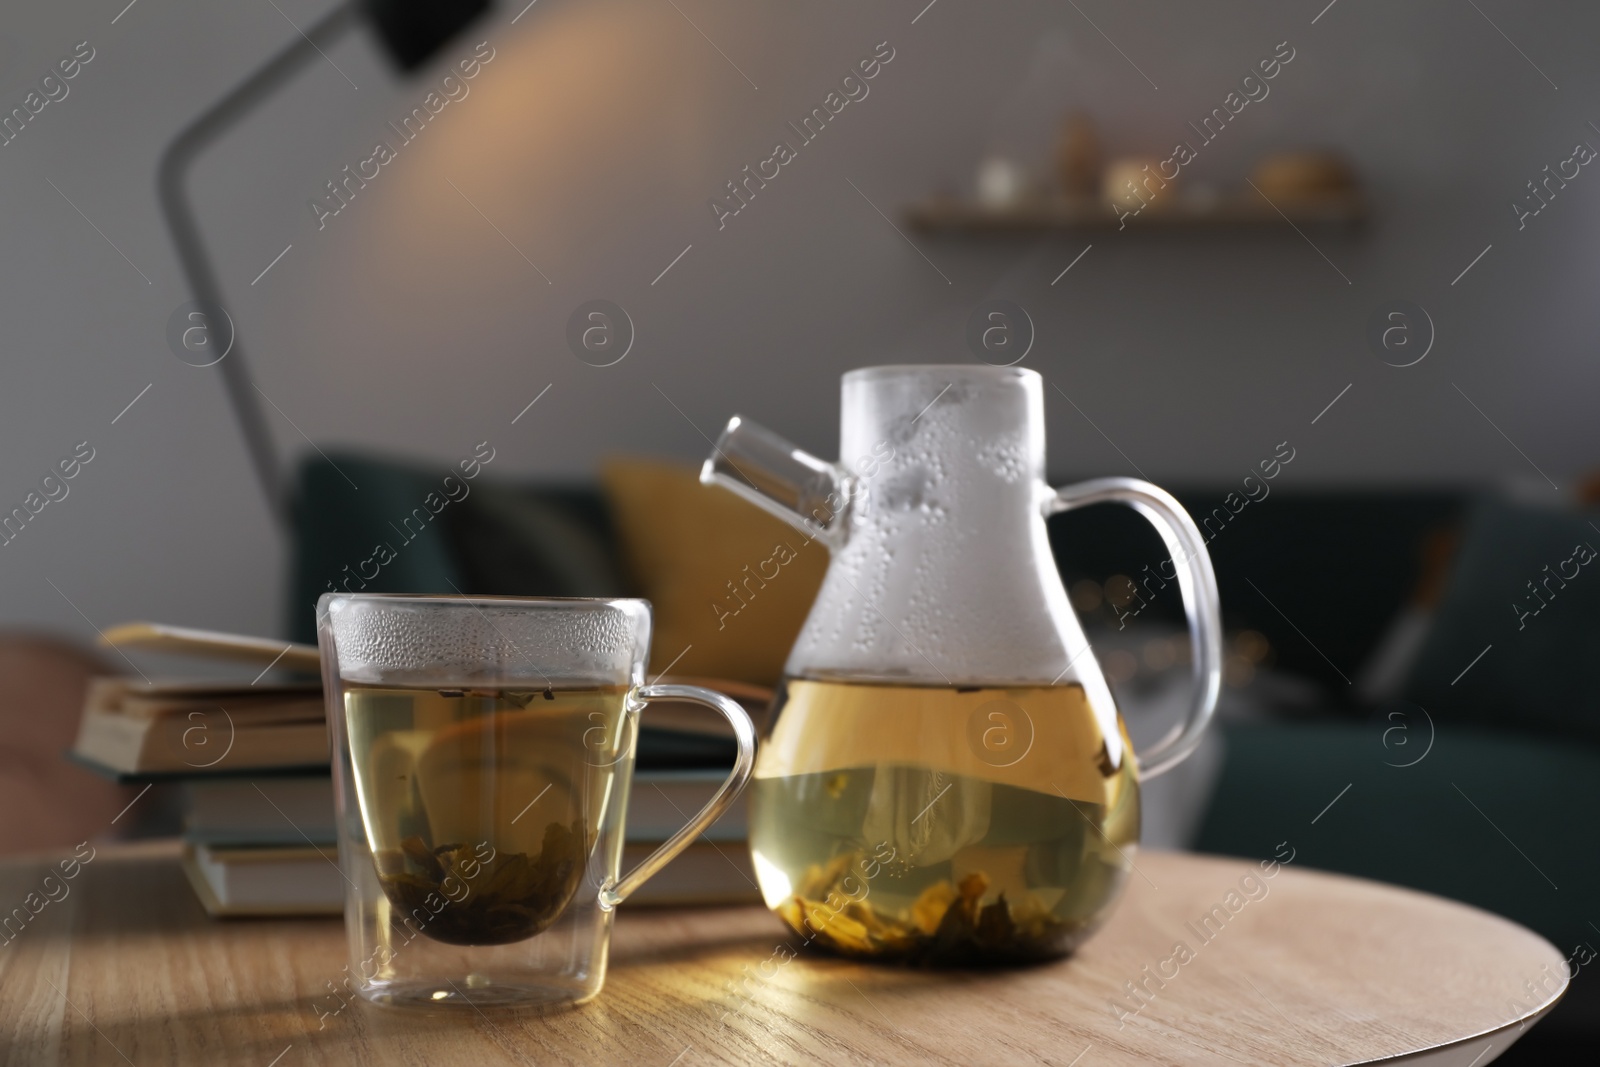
942	825
489	800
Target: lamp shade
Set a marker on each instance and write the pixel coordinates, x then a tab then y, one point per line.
412	31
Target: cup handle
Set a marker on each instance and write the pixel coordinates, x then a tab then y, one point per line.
745	734
1198	584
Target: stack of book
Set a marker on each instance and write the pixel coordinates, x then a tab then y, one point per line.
252	760
263	845
201	728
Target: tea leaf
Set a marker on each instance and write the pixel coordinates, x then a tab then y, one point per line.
513	897
946	924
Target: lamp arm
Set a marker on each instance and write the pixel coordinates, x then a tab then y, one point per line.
185	231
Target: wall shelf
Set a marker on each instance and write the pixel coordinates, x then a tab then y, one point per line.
950	216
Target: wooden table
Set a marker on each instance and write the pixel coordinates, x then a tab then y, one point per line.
1320	970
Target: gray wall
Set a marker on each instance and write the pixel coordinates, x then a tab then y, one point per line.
592	141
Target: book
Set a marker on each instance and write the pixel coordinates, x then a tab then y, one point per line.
201	742
259	814
176	727
295	810
704	873
686	717
660	802
131	728
234	811
142	727
246	881
212	644
288	881
147	699
679	716
259	847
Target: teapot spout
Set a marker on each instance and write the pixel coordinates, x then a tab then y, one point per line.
810	494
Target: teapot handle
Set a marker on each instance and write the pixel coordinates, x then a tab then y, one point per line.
1196	581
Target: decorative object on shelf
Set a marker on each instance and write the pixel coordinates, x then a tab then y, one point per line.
1134	183
1303	188
1079	158
1297	177
1002	183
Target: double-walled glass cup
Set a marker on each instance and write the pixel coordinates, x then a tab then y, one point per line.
483	753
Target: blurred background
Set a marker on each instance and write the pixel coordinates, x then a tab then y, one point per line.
593	142
1426	160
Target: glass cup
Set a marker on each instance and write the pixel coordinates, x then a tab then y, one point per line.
483	753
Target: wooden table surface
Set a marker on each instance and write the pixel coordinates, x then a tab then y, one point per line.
126	968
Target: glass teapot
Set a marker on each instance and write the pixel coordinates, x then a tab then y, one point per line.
945	778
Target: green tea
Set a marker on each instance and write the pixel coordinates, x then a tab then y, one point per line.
943	825
490	800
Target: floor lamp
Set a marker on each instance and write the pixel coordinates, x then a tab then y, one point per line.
411	32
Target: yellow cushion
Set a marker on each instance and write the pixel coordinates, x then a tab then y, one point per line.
727	581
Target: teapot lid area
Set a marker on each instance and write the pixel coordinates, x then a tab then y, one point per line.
947	415
946	570
974	372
